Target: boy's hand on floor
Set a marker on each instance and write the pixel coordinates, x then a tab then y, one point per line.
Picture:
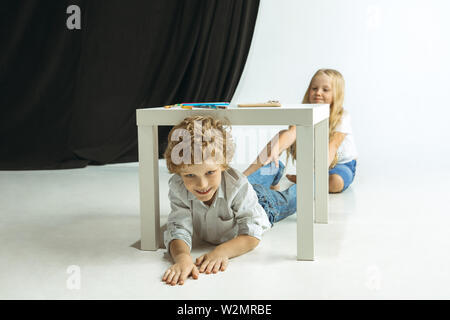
212	262
180	271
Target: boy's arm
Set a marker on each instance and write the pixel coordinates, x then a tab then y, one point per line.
218	258
235	247
178	236
251	220
183	266
179	250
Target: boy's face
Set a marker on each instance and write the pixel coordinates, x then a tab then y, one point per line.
321	90
202	180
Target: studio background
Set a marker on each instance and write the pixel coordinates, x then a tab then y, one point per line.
69	96
394	58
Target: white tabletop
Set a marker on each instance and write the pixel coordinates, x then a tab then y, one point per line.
287	114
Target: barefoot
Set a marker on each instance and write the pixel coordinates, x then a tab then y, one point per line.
292	178
276	188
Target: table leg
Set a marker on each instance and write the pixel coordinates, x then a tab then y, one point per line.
305	193
149	186
321	171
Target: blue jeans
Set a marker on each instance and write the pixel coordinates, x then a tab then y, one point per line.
277	204
346	171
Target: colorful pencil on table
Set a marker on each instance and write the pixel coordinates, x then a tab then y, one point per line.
205	103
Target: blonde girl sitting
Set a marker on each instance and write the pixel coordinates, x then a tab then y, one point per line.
326	87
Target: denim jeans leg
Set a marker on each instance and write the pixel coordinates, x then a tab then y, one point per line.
277	204
267	176
266	201
286	202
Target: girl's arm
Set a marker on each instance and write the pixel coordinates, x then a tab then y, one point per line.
333	145
280	142
218	258
283	140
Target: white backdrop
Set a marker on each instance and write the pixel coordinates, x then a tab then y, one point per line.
392	54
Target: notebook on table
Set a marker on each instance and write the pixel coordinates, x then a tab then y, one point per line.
270	103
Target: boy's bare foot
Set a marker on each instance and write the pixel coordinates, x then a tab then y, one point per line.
276	188
292	178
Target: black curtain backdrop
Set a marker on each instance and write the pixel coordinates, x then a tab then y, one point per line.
68	98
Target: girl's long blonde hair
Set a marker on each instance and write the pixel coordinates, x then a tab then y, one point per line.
336	107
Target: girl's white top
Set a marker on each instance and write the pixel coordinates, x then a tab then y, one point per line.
347	150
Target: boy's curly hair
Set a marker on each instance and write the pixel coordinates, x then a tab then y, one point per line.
197	139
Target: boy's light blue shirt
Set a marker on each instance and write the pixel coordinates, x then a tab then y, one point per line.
234	211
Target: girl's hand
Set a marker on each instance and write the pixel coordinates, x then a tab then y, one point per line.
179	272
212	262
270	152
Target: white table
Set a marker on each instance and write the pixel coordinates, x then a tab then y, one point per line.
311	121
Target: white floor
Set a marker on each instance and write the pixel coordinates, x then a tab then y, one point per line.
388	238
